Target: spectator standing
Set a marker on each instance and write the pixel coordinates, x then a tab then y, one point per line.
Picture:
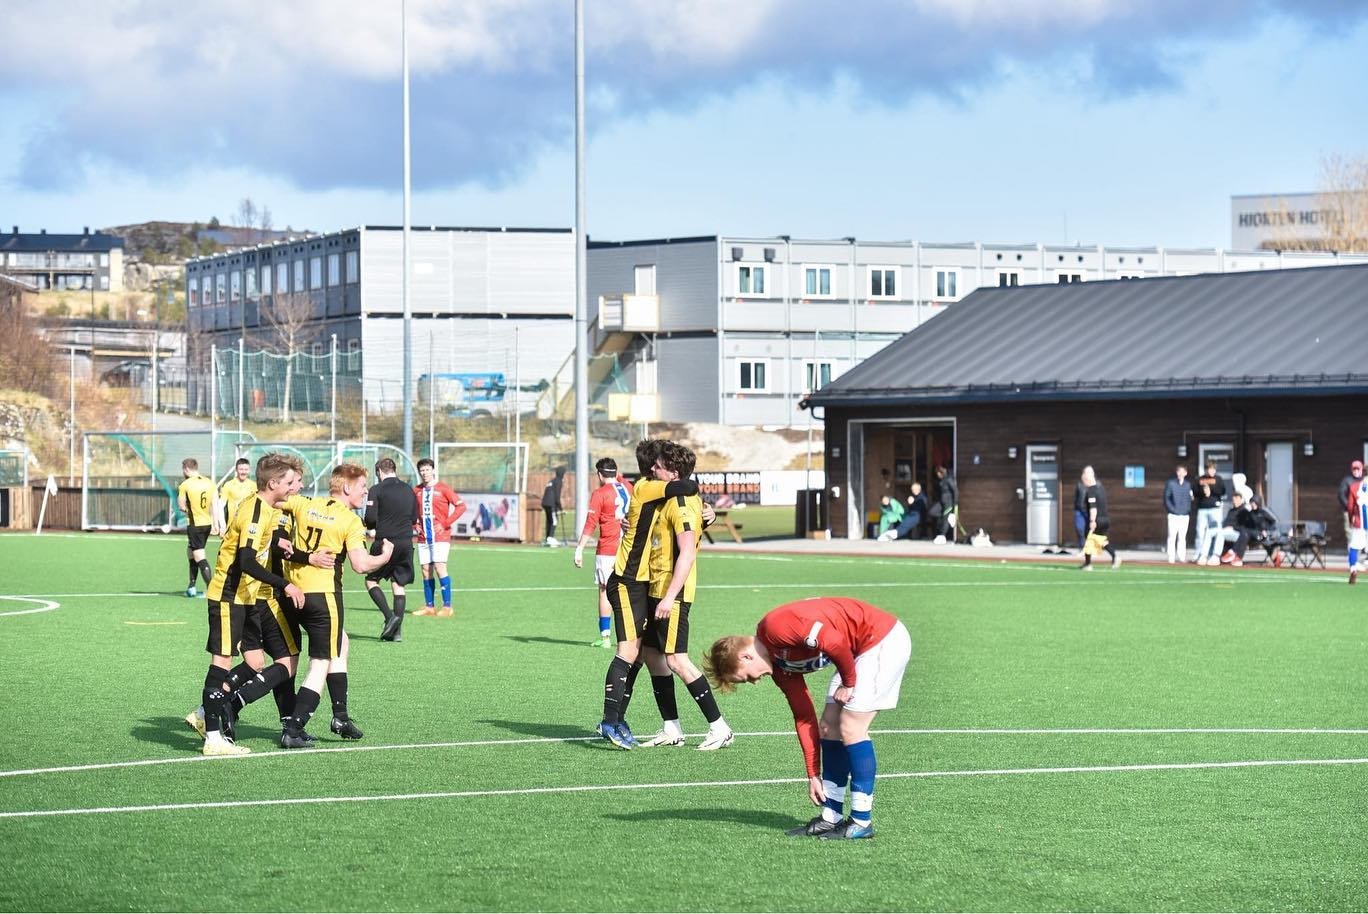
1099	521
945	509
1209	492
551	504
1081	513
1346	484
1178	504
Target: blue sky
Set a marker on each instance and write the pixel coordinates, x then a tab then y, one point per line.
1094	121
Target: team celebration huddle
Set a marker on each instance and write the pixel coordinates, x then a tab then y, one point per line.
277	585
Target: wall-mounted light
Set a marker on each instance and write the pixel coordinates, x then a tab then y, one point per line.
1182	450
1309	449
1011	452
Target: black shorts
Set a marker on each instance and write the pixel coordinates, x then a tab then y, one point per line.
225	628
267	629
198	536
321	619
631	606
1103	525
399	568
669	636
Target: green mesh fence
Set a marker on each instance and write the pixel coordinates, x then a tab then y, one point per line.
284	388
129	479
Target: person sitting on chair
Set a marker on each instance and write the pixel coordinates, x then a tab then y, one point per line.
910	525
1236	530
1264	531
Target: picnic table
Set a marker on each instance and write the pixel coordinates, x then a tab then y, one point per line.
724	520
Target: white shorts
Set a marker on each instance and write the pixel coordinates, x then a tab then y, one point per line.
1358	538
433	553
603	566
879	672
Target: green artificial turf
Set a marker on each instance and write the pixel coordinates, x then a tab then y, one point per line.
477	785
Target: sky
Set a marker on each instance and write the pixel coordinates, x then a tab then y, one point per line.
1118	122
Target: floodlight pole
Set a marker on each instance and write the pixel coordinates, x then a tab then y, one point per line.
71	451
242	373
581	290
408	213
332	425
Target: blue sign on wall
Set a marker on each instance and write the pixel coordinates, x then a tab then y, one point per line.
1135	477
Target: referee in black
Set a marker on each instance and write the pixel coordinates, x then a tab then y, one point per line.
391	511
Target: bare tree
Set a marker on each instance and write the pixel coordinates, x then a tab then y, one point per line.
247	220
287	317
1340	216
29	363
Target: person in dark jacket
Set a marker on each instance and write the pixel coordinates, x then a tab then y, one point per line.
1209	491
391	511
1236	530
1099	521
1081	513
1263	527
945	510
1354	478
1178	504
551	504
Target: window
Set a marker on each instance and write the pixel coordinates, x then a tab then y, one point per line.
194	291
883	282
352	266
947	283
1066	278
334	270
315	272
221	288
317	349
817	281
266	280
282	286
104	283
1009	278
235	286
818	375
752	375
249	277
750	279
298	276
645	277
104	260
353	345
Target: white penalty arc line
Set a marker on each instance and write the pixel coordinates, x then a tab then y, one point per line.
47	607
554	740
672	785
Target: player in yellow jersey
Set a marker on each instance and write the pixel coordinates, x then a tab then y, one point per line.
195	498
239	571
237	488
329	524
628	591
674	569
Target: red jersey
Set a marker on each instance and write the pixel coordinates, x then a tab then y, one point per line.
806	635
438	509
607	508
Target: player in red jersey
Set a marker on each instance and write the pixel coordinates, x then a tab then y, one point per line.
870	649
438	510
607	509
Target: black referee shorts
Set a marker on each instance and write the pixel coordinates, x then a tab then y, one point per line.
399	568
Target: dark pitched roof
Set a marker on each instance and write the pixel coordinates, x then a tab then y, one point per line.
1257	333
30	241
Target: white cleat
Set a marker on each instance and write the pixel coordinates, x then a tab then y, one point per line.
196	720
665	737
716	739
225	747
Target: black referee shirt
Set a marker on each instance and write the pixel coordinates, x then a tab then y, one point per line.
392	509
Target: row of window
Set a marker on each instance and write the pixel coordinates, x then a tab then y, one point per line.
753	375
66	281
285	277
754	279
28	259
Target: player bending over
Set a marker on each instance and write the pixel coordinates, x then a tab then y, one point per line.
870	649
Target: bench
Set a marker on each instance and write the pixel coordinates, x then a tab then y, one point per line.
725	521
1306	541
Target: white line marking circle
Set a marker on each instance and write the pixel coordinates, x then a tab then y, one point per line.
45	606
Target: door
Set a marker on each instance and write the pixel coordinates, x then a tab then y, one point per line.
1042	494
1277	481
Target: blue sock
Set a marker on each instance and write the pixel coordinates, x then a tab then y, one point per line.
428	590
862	767
605	623
835	776
446	591
1353	559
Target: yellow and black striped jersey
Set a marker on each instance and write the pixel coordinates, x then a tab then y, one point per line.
322	525
250	531
235	491
198	493
632	562
675	516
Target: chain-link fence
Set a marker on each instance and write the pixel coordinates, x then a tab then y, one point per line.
262	386
129	479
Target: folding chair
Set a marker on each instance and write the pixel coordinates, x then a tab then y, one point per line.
1307	542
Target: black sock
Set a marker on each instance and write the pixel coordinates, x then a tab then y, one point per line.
211	696
631	683
261	683
378	596
703	694
204	571
614	686
399	602
1111	550
306	702
337	691
243	673
194	571
663	687
285	698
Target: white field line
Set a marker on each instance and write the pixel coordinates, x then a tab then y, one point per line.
550	740
596	788
48	606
